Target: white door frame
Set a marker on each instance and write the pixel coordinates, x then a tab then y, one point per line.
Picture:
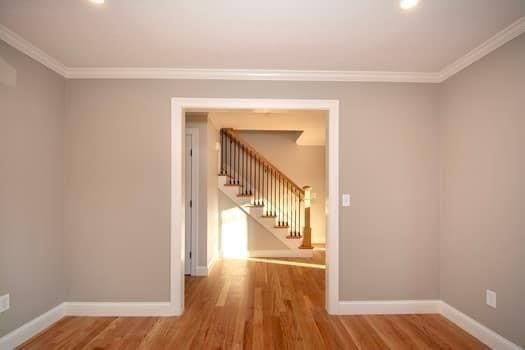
194	132
177	252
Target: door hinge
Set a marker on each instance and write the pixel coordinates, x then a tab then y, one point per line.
191	152
190	255
191	203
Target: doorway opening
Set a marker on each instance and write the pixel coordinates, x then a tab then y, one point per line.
260	164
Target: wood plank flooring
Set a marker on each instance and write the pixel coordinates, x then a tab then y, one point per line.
262	304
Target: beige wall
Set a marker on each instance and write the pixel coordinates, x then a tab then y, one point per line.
212	234
305	165
117	187
483	190
118	184
31	187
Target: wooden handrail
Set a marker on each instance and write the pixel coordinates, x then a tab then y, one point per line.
231	133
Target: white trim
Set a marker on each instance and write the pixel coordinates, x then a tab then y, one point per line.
195	234
178	105
201	271
476	329
32	51
251	74
281	253
497	40
40	323
205	270
31	328
127	309
389	307
332	222
177	228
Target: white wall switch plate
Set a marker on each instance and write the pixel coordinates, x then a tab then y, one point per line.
491	298
4	303
346	200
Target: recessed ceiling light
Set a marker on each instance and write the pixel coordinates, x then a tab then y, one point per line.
408	4
98	2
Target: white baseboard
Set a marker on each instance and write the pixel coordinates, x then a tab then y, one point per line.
389	307
31	328
484	334
38	324
205	270
129	309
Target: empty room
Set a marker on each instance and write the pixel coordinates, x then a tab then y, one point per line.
262	174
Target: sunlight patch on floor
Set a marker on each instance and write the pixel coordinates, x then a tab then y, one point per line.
287	262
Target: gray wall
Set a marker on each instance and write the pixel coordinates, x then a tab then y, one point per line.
483	190
31	187
305	165
118	184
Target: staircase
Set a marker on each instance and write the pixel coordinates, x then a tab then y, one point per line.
265	194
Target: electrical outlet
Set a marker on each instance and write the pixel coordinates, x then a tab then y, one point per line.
346	200
4	303
491	298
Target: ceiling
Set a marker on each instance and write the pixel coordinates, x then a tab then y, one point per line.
343	35
310	126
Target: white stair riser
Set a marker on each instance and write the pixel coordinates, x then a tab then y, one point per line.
257	212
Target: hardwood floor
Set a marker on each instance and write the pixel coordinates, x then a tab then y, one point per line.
247	304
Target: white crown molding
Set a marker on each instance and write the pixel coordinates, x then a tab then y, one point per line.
250	74
499	39
32	51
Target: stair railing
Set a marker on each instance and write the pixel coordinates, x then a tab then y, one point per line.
268	187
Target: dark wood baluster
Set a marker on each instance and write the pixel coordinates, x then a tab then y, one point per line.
222	150
234	173
300	217
280	199
254	181
243	171
294	212
297	211
230	161
265	188
278	210
258	172
288	205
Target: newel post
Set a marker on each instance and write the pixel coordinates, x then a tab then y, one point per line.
307	230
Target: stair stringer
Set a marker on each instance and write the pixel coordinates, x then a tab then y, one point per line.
256	213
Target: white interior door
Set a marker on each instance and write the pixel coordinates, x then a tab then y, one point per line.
189	202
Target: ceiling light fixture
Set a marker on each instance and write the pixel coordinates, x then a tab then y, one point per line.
98	2
408	4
